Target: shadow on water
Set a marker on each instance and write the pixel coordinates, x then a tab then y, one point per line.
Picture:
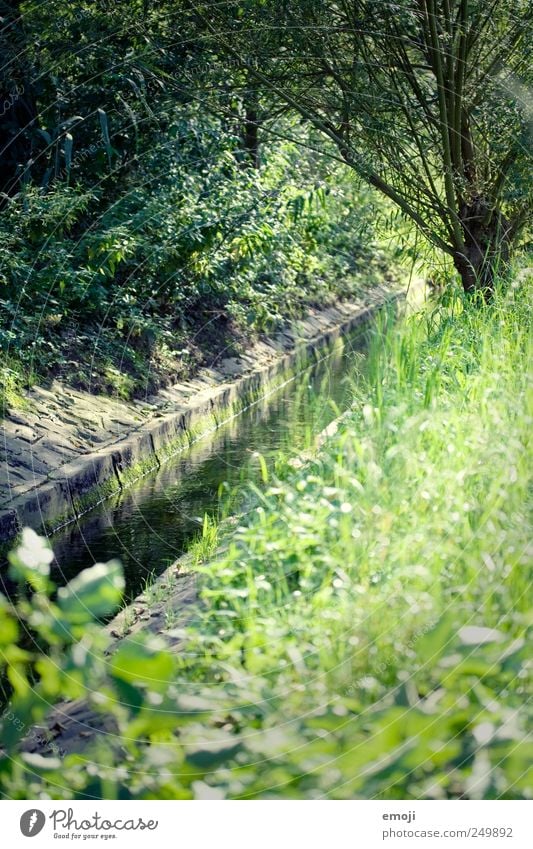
150	524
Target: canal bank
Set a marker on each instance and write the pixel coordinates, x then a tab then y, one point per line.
66	454
167	606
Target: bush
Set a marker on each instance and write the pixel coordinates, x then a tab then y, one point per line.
190	253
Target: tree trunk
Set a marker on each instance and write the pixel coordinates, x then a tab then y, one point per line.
486	235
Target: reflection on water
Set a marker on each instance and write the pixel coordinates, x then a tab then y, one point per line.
150	524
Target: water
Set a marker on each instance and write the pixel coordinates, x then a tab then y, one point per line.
150	524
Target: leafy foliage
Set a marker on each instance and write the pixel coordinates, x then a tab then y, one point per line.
196	253
140	236
429	102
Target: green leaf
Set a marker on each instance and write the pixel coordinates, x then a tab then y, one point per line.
432	644
105	135
143	661
129	696
69	142
93	593
8	625
30	561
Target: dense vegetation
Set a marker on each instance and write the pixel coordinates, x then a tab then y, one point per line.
362	635
176	178
429	102
139	234
171	167
195	256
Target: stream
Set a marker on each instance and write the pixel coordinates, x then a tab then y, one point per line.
150	524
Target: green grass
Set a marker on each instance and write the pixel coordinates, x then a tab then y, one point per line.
363	633
13	384
355	590
205	545
155	590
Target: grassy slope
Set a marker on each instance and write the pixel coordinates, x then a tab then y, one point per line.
358	586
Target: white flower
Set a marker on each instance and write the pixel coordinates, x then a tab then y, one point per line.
34	552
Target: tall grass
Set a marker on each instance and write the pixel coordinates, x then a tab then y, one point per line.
381	596
363	634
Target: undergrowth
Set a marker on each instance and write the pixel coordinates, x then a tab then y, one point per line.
191	257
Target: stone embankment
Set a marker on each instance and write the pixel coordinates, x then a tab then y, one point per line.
68	450
170	605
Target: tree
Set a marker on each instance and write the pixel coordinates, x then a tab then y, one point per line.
429	101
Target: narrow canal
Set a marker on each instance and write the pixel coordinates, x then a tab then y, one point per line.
150	524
